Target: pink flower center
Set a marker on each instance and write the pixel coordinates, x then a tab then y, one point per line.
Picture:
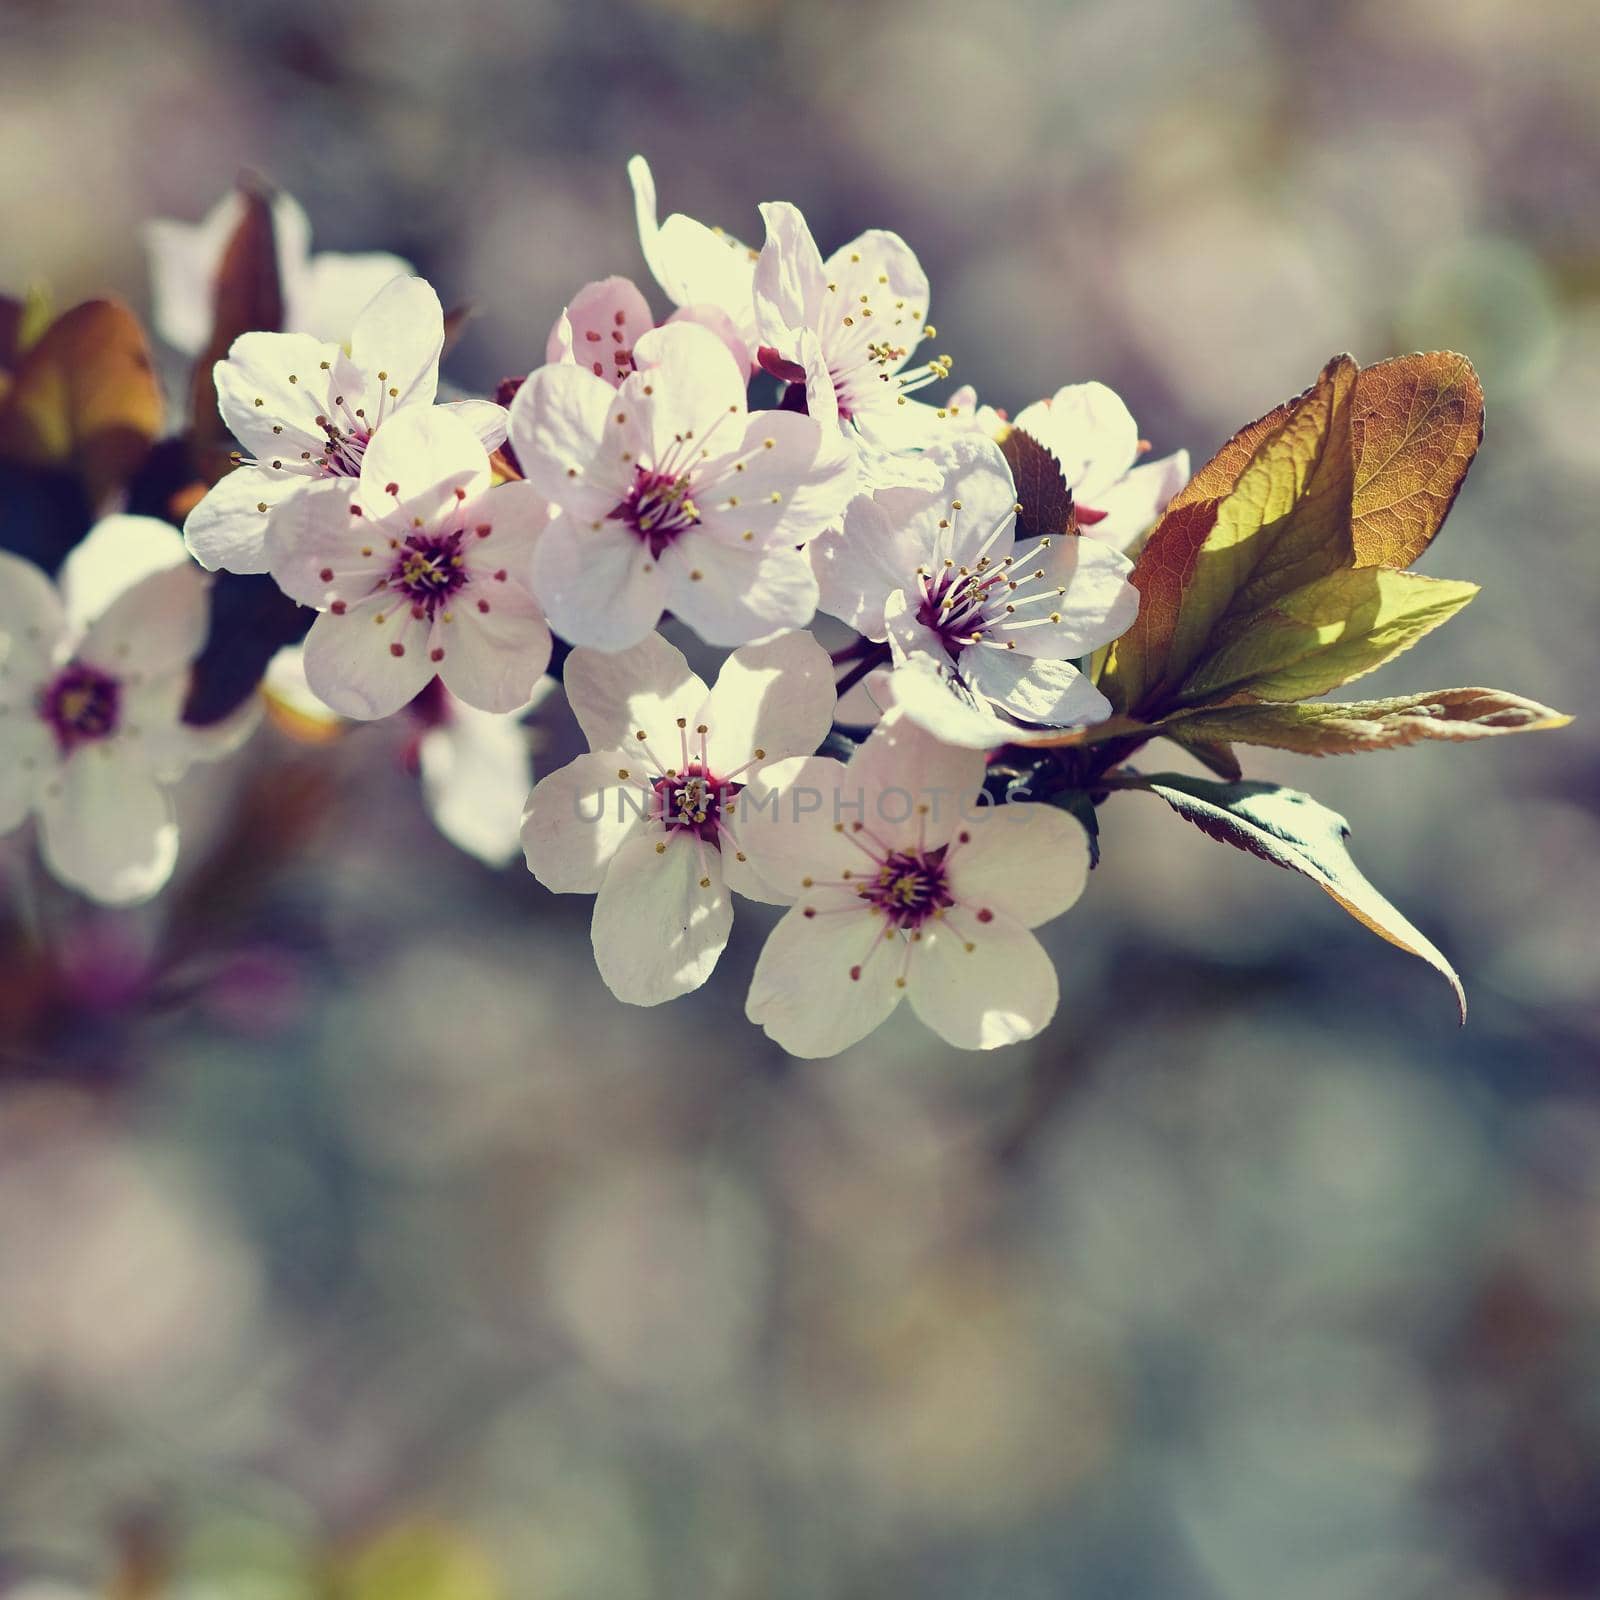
341	457
953	605
694	799
909	887
657	507
428	569
81	706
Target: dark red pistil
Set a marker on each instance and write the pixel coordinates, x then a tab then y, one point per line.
428	569
693	799
910	886
657	507
82	705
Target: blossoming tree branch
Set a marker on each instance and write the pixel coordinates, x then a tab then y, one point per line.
1024	610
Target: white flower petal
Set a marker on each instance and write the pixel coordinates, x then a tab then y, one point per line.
879	269
982	987
696	391
777	697
791	285
726	329
396	342
495	649
558	420
1099	604
1132	506
1034	688
599	327
579	817
615	694
422	464
692	263
598	585
317	549
227	530
900	768
1089	431
730	595
476	773
351	660
661	919
32	624
777	483
106	827
487	420
272	388
336	287
785	821
113	556
876	553
823	983
157	626
934	698
1027	860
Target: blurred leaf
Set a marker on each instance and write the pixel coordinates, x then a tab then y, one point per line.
248	299
1082	806
1331	631
417	1560
455	324
1042	492
1292	830
1329	730
1284	523
251	620
1417	423
85	396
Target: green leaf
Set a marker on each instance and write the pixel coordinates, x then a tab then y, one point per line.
1417	424
1042	492
1331	631
1292	830
1330	730
1211	563
1218	757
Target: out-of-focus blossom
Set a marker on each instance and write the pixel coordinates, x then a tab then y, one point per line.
420	567
322	294
649	821
866	307
476	766
673	496
306	412
601	323
904	888
93	675
938	574
695	265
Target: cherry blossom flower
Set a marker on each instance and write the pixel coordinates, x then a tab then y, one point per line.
1088	429
93	675
939	575
673	496
601	323
322	294
903	886
866	306
306	411
649	821
420	567
695	266
476	767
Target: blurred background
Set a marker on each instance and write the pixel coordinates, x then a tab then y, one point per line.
354	1242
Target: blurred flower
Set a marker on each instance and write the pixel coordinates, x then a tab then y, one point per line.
647	820
93	677
322	294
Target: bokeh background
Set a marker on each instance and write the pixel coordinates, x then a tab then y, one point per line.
354	1242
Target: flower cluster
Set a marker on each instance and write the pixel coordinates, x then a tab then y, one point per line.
763	475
